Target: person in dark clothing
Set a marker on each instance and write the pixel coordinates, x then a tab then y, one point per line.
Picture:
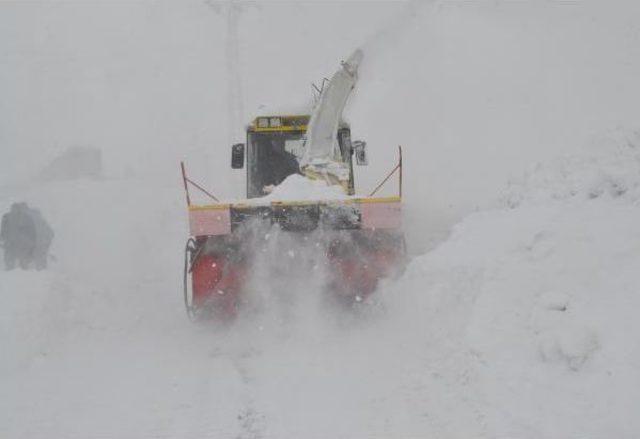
18	236
278	164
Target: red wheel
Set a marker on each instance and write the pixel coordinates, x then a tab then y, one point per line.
216	283
206	273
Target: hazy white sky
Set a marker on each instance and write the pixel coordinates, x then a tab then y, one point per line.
474	91
145	79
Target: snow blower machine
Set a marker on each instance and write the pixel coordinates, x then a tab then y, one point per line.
300	180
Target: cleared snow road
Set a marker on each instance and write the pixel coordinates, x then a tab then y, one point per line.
99	345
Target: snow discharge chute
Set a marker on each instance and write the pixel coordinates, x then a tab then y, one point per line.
322	155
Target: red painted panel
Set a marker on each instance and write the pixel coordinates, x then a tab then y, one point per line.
381	215
208	222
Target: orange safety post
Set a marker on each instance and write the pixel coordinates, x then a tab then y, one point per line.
396	168
186	187
400	173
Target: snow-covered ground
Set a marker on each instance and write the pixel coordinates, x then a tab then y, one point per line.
519	323
524	317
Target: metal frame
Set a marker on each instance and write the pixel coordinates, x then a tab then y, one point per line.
398	168
189	249
186	180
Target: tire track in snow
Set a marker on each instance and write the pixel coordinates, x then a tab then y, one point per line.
250	420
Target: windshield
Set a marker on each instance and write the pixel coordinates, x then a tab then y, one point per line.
272	157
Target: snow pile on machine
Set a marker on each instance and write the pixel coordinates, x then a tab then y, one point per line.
298	188
526	315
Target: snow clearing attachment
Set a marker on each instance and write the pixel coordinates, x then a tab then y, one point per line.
300	182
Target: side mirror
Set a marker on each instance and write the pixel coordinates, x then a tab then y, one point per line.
344	136
237	156
360	148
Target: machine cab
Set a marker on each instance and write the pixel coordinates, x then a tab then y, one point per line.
275	145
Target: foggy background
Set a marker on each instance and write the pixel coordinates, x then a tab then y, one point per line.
475	92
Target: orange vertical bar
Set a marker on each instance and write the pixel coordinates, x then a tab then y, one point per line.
400	173
184	180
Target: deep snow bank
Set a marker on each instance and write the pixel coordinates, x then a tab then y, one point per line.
526	314
608	168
